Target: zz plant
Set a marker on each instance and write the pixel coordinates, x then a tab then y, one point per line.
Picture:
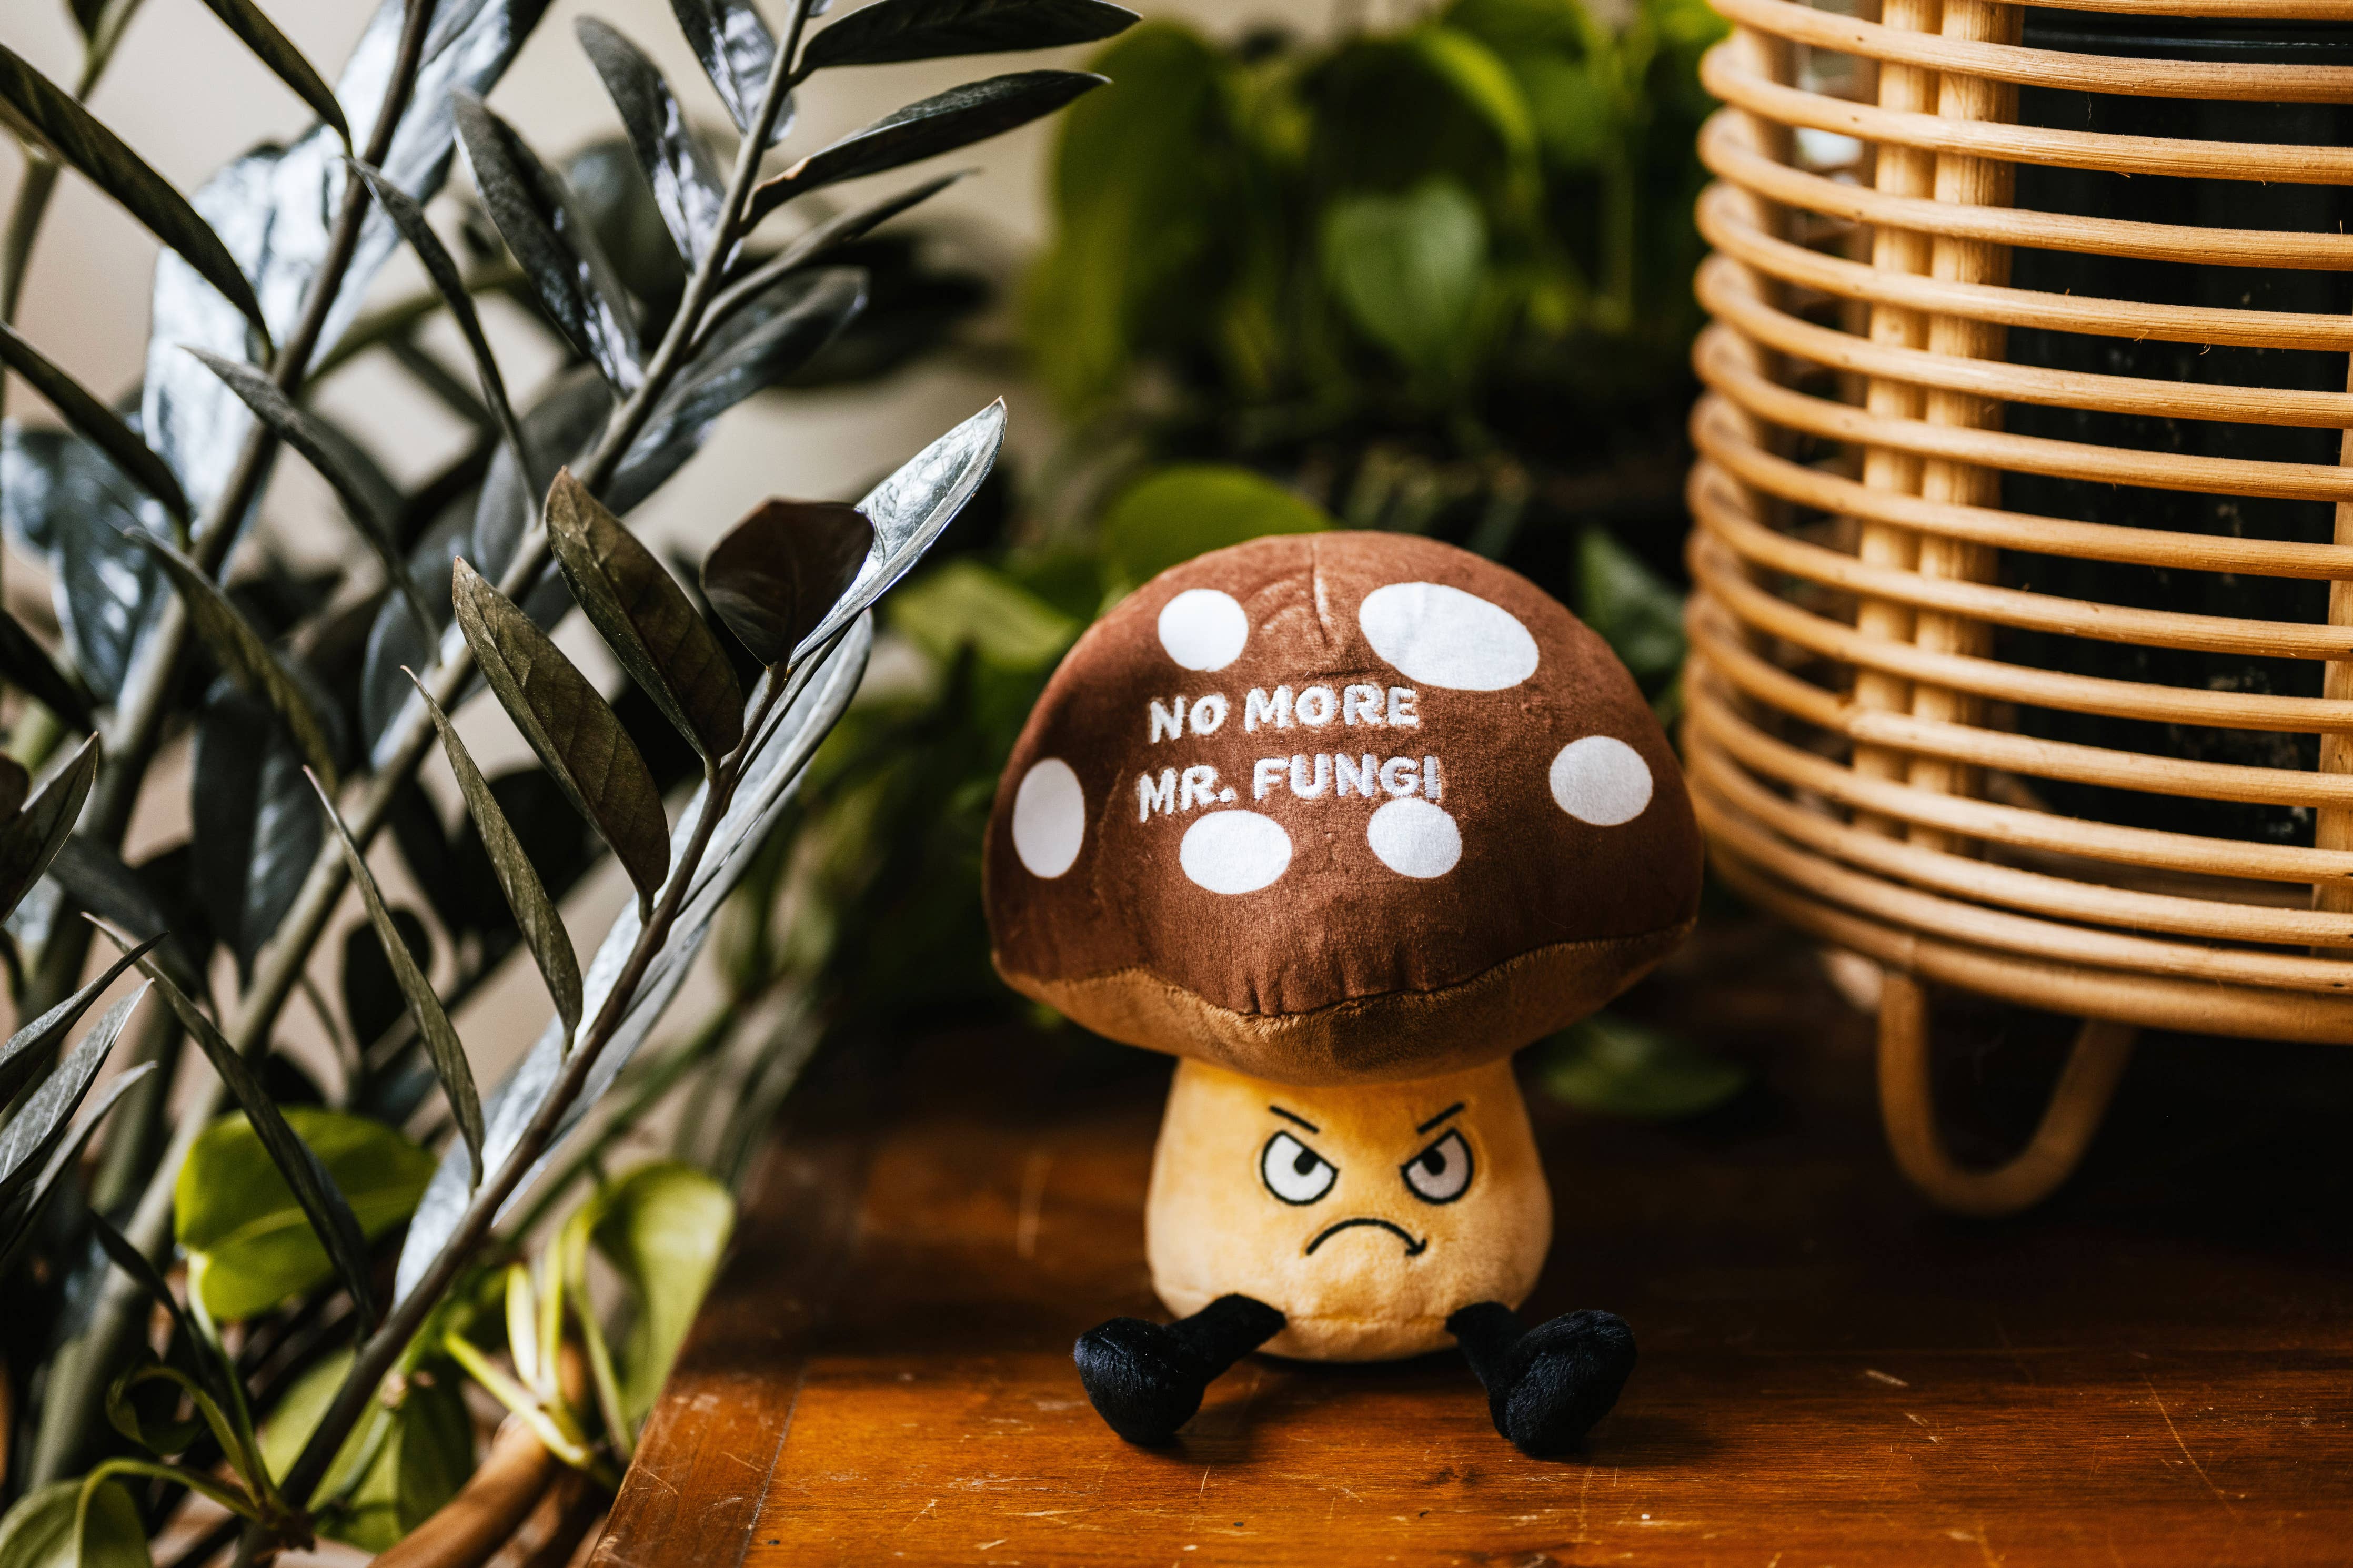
285	1375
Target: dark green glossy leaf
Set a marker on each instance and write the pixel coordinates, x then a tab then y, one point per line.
243	656
553	242
664	1229
645	618
39	1125
891	30
372	996
367	496
257	831
95	878
773	575
408	218
100	425
42	110
737	54
956	118
30	839
759	346
832	234
26	665
1409	268
689	191
571	726
329	1214
18	1224
442	1044
64	500
250	1241
415	825
536	916
277	51
911	509
28	1050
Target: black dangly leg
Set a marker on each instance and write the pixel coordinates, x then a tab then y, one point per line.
1548	1385
1146	1379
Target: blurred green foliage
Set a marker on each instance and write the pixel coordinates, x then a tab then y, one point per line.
1463	233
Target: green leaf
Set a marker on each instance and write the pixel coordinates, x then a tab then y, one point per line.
65	1146
250	1241
965	604
369	500
442	1046
409	219
1484	83
1613	1066
418	1454
98	881
323	1203
773	576
48	1529
1409	269
689	191
571	726
832	234
737	53
31	839
40	110
96	422
29	1048
372	997
33	1134
646	619
552	241
1638	613
1175	513
27	664
956	118
891	30
242	655
663	1227
274	49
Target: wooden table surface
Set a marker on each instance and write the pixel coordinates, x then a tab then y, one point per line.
2154	1369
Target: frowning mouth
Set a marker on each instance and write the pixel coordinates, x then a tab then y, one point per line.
1413	1248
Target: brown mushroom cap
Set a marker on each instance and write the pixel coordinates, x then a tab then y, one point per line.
1338	807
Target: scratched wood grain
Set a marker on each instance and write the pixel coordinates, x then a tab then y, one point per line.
2155	1370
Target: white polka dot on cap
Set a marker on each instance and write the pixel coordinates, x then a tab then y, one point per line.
1204	628
1414	839
1445	637
1235	852
1050	818
1602	779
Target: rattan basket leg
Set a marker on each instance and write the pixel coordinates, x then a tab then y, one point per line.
1907	1105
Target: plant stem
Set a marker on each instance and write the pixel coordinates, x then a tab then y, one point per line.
287	953
84	1367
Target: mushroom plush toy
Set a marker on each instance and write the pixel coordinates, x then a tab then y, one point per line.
1342	820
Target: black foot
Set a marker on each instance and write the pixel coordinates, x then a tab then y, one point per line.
1146	1379
1548	1386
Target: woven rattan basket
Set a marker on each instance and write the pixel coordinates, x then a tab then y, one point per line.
2023	621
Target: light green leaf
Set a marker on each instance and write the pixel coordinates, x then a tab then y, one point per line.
418	1464
249	1243
571	726
663	1227
1614	1067
1190	509
442	1046
645	618
1483	82
965	604
536	913
47	1529
1409	268
1638	613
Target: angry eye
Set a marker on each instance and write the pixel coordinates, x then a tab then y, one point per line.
1294	1172
1439	1173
